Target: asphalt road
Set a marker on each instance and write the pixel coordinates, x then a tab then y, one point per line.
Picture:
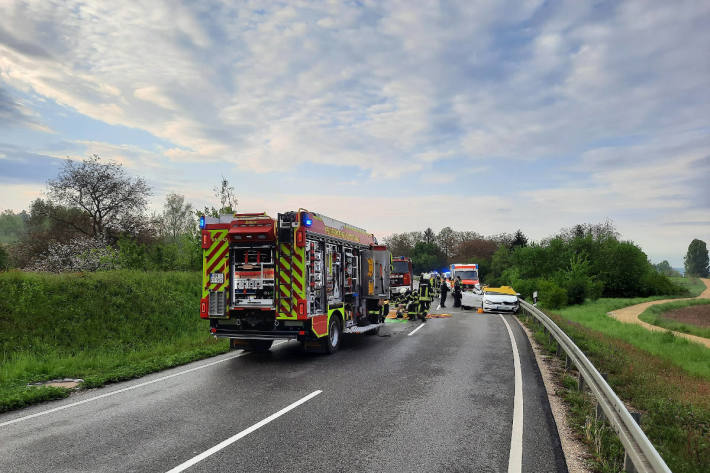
440	399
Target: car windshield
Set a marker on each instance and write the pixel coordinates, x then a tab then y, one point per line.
467	274
400	267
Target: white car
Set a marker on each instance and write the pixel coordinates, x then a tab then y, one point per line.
502	299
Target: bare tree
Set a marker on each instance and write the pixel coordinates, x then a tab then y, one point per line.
226	195
113	201
177	216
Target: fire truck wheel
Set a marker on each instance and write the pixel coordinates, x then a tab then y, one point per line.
335	334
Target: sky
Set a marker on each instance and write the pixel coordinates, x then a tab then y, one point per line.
393	116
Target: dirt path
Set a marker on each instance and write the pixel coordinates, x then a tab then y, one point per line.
630	315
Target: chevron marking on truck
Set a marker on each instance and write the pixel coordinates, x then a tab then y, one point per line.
212	260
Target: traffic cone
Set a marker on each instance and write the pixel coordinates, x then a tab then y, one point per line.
480	310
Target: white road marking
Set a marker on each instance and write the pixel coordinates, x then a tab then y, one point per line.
129	388
515	460
243	433
415	330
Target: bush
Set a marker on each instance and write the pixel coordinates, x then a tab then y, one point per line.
78	255
4	258
551	295
577	289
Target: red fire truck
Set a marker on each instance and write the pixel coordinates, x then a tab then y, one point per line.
301	276
401	279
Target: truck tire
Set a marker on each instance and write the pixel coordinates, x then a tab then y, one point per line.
335	335
251	345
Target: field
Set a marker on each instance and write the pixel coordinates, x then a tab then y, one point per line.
100	327
691	317
664	377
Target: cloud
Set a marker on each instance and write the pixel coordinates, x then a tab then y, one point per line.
609	101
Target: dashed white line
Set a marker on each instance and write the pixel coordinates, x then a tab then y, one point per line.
225	443
123	390
515	460
415	330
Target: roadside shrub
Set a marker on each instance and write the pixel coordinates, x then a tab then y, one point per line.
551	295
78	255
4	258
654	283
577	289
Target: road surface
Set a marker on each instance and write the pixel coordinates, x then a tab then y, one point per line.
441	398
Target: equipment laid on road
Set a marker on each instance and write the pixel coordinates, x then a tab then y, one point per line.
303	276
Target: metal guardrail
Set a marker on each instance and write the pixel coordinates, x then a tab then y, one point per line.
641	456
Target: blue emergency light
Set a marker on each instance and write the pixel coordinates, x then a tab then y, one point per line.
202	222
306	220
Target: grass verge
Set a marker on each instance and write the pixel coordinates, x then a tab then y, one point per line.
654	316
689	356
675	404
101	327
694	286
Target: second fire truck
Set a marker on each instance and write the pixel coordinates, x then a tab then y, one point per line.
300	276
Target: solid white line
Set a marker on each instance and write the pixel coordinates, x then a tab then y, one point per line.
415	330
123	390
243	433
515	460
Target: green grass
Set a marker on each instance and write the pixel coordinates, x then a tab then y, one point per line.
694	286
654	316
101	327
692	357
675	405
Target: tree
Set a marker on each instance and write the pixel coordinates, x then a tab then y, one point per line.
696	259
12	226
519	240
426	257
113	201
429	236
227	197
447	239
177	216
664	268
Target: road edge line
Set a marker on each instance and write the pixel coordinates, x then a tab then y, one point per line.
225	443
414	331
123	390
515	460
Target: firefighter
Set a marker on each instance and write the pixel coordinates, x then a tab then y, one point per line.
457	292
424	297
444	291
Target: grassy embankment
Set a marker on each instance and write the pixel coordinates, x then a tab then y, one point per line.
101	327
665	377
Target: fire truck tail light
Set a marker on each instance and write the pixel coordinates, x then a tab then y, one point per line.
300	237
203	309
301	308
213	330
301	332
406	279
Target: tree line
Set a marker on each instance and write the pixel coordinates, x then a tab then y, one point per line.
95	217
580	262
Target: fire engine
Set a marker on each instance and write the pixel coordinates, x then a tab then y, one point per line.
470	284
401	279
300	276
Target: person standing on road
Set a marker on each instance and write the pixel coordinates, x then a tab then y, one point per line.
444	291
457	292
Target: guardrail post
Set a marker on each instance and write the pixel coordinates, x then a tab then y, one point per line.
568	362
580	381
628	464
